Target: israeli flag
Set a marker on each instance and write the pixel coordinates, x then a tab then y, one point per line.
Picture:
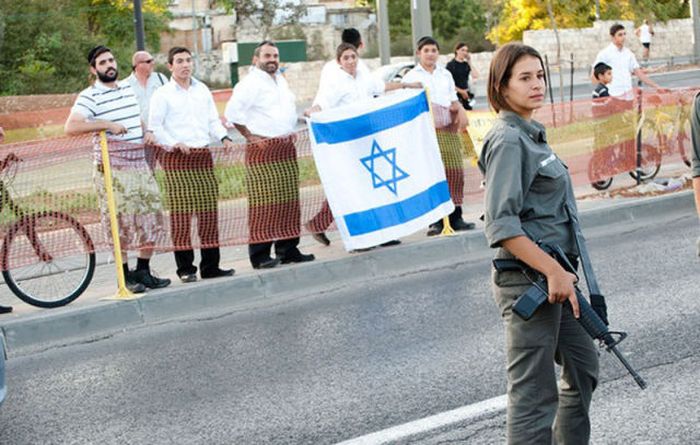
380	167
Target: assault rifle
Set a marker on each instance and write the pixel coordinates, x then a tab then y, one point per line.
536	295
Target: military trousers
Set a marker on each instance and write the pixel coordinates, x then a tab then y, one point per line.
539	412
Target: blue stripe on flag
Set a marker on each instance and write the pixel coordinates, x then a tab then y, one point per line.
398	213
370	123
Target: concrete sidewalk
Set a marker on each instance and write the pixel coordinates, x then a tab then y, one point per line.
30	329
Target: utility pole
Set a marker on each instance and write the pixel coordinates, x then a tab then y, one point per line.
383	18
194	38
420	20
138	26
597	9
695	14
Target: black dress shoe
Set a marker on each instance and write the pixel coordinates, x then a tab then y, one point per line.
146	278
188	277
434	230
461	225
267	264
217	273
321	238
300	258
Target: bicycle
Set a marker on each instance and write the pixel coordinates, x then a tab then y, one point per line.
621	153
47	257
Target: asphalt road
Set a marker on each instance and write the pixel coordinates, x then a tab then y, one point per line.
334	366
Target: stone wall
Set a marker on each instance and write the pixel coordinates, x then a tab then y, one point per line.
671	39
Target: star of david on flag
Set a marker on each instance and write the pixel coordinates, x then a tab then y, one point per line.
380	167
388	156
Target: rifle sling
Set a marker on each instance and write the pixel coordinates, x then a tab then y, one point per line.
586	265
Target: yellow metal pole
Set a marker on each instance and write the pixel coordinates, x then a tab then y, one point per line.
122	292
446	227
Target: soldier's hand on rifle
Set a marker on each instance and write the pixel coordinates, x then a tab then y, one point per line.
560	284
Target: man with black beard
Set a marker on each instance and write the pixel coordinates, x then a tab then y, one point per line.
263	110
111	106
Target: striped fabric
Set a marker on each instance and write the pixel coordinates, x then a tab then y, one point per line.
112	104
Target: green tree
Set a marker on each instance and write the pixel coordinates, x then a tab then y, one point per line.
452	21
268	15
43	44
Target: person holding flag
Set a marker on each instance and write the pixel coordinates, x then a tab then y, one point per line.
347	85
449	119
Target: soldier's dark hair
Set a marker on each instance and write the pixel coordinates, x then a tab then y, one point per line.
601	68
175	50
501	70
615	28
426	40
351	36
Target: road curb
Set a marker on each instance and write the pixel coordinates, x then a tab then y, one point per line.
71	325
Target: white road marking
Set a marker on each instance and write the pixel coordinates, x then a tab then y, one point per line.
463	414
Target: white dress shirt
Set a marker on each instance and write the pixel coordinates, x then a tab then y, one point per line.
440	84
187	116
265	105
339	88
623	63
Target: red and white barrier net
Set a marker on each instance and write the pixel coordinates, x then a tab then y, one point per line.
270	189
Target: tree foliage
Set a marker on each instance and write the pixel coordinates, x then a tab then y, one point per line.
513	17
43	44
452	21
268	15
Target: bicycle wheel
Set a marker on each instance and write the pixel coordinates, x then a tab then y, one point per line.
651	163
48	259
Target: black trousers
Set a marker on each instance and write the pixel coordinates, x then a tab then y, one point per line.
192	190
184	259
285	248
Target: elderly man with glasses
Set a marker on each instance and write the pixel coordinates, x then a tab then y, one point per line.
144	80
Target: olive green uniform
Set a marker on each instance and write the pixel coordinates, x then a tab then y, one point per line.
526	188
695	130
695	136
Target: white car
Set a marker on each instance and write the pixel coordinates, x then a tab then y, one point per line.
395	72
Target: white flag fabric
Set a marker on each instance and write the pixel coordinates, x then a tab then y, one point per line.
380	167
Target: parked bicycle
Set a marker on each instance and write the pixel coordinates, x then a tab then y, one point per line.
47	257
620	153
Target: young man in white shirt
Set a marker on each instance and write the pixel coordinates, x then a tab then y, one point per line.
109	105
450	119
623	63
263	110
184	121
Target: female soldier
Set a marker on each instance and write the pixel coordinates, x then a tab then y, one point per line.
527	187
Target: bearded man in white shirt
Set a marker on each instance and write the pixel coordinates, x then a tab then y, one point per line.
184	121
450	119
263	110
